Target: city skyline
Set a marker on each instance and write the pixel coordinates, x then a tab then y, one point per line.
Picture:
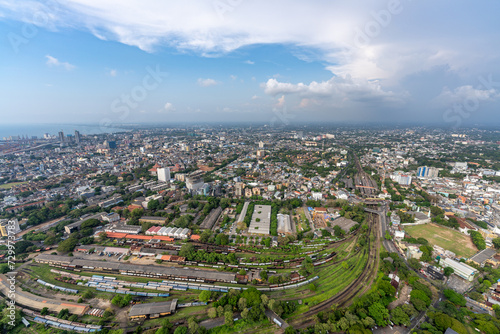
276	64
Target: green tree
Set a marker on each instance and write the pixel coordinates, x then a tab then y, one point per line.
205	296
228	318
244	313
496	242
67	245
448	271
379	313
399	317
242	304
153	204
181	330
212	312
193	325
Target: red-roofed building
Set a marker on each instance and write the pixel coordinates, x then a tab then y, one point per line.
153	170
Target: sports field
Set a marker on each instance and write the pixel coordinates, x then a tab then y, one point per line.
10	185
457	242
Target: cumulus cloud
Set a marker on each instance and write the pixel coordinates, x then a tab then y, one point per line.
336	88
54	62
206	82
353	37
465	95
281	102
168	107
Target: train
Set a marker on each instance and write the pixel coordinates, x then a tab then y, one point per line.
59	324
52	286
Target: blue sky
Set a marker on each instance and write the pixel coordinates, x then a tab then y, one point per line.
234	60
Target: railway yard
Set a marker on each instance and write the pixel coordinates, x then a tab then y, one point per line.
75	275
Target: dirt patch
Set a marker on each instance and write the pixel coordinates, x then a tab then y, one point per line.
402	297
100	303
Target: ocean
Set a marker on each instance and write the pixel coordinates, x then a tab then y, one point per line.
39	130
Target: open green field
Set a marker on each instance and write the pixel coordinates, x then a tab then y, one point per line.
10	185
458	243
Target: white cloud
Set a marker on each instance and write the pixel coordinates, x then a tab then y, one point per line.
465	95
168	107
255	97
249	62
52	61
233	77
281	102
337	31
206	82
113	72
336	88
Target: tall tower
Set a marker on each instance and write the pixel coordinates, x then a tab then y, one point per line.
77	136
61	136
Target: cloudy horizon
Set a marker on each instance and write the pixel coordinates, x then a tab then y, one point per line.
232	60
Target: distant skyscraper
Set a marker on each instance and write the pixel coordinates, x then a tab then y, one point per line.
61	136
109	144
77	137
163	174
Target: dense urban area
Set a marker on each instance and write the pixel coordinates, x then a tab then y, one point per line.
310	229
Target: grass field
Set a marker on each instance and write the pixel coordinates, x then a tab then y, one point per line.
458	243
10	185
332	279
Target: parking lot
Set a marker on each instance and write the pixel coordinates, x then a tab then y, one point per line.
458	284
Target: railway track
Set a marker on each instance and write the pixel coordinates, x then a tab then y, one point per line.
344	297
362	181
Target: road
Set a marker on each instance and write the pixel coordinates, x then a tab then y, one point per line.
42	226
390	247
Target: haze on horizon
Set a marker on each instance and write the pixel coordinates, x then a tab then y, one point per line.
110	62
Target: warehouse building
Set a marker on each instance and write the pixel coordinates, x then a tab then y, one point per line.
461	269
211	219
284	226
152	219
261	220
152	310
483	256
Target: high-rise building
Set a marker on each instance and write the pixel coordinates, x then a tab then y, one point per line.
163	174
61	136
77	136
427	172
111	144
194	181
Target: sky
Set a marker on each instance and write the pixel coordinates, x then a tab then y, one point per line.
275	62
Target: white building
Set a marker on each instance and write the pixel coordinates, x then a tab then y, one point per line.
163	174
317	196
461	269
